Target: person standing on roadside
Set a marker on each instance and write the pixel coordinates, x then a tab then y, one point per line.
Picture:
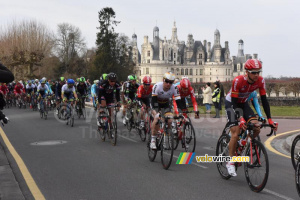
207	97
216	98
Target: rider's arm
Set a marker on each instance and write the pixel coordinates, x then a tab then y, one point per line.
118	94
192	94
266	106
177	99
257	106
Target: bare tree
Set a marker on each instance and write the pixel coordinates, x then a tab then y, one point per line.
69	43
24	45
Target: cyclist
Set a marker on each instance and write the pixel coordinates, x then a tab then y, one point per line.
68	93
128	94
81	88
30	90
143	97
59	86
238	110
161	93
109	93
3	89
42	91
19	90
94	93
185	89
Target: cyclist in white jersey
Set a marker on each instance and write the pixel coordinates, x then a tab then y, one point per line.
161	93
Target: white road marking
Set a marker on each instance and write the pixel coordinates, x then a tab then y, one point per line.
277	194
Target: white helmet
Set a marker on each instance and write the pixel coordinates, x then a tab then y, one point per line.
170	76
184	77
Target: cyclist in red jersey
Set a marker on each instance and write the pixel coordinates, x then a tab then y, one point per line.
143	97
238	110
3	89
185	89
19	89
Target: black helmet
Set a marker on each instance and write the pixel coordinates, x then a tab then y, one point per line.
112	76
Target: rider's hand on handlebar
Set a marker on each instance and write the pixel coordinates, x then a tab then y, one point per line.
274	124
242	124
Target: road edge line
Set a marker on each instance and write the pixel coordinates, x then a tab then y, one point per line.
34	189
269	140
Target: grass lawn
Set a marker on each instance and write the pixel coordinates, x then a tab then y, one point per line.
275	110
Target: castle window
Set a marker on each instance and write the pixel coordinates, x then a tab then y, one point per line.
182	71
172	70
186	71
228	71
200	56
174	55
147	70
196	72
174	62
148	61
191	71
201	80
201	71
148	53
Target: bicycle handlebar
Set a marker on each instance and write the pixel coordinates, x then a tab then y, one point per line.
263	125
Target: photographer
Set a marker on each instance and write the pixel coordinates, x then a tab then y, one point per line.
6	76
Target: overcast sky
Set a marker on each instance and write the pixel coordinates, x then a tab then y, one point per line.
267	27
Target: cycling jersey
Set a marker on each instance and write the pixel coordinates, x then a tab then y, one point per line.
93	90
67	91
109	93
30	88
160	98
183	95
19	89
130	90
58	89
3	89
81	89
53	88
43	90
241	89
142	93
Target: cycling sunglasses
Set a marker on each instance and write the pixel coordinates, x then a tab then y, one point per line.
254	72
168	81
146	84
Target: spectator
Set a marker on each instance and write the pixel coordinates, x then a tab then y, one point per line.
207	97
216	98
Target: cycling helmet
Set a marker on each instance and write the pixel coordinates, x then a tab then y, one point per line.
77	79
112	76
185	83
43	81
36	80
253	64
96	81
170	76
71	81
62	78
147	80
103	77
132	77
82	79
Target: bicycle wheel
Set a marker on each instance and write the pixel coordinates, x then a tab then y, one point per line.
83	113
295	150
190	137
297	177
167	149
113	132
222	149
151	152
257	172
102	133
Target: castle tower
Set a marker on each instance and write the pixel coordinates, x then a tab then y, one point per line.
217	46
134	40
241	48
174	38
155	43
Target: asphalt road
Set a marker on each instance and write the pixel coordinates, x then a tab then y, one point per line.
81	166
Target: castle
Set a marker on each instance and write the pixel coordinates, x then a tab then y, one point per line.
199	61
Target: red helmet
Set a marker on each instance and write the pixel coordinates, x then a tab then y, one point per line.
147	80
185	83
253	64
